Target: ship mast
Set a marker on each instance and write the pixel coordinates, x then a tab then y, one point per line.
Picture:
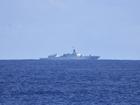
74	52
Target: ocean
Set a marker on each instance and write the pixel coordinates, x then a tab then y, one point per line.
81	82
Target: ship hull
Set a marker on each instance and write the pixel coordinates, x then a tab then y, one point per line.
72	58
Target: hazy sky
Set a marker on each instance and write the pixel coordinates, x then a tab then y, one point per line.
37	28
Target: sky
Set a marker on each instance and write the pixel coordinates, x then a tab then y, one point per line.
31	29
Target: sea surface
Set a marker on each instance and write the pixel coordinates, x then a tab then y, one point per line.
85	82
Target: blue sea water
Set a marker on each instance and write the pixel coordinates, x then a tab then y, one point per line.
85	82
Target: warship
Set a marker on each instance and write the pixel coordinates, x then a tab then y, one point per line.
71	56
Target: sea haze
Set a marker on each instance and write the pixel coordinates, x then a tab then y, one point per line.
84	82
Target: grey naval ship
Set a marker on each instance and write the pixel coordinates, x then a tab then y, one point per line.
71	56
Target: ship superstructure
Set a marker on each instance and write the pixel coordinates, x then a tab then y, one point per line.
71	56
